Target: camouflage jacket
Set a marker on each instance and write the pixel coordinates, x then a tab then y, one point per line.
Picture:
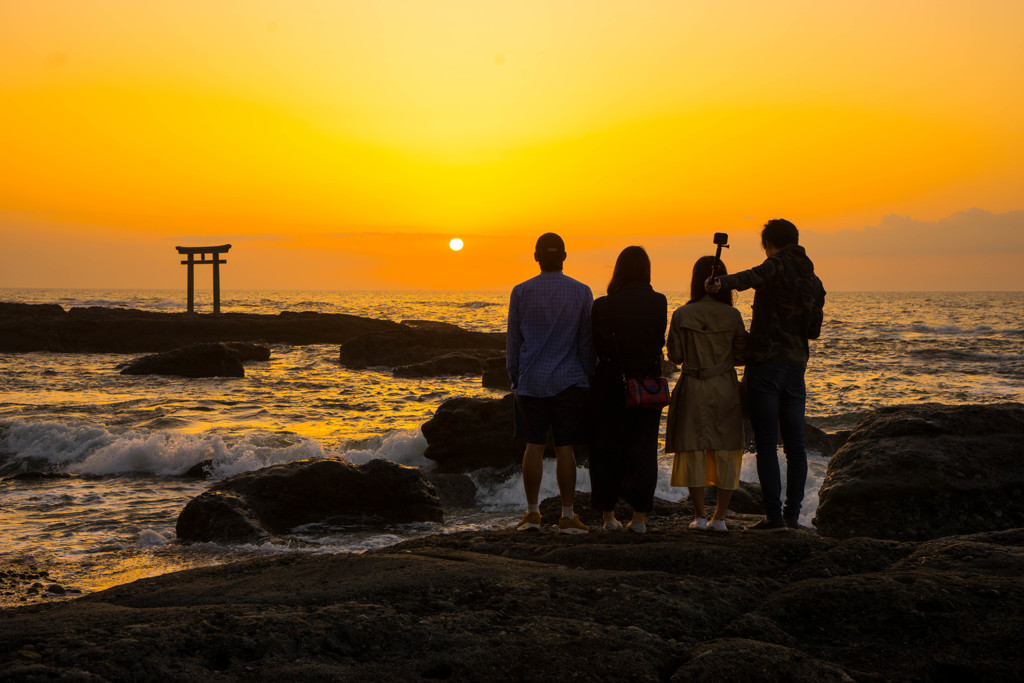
788	300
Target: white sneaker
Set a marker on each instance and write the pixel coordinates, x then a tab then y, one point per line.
612	525
637	527
699	524
718	525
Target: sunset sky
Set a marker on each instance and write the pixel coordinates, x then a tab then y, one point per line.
340	144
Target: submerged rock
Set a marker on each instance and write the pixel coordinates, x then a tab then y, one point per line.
273	500
921	472
455	363
199	360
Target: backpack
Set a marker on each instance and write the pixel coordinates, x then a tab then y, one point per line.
812	297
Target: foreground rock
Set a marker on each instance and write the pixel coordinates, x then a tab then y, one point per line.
328	491
670	605
199	360
467	434
919	472
47	327
417	342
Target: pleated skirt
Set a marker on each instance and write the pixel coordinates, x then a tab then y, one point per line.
719	468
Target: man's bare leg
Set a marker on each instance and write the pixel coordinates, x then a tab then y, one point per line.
565	472
533	471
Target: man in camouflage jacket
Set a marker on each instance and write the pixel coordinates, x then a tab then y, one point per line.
787	311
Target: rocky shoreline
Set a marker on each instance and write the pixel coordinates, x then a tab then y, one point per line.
670	605
907	581
48	327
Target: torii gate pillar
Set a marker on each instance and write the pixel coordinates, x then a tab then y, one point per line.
215	261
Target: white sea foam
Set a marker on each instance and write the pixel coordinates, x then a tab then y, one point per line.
53	442
150	539
95	450
163	453
406	447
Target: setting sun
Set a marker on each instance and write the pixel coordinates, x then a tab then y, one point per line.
315	136
456	244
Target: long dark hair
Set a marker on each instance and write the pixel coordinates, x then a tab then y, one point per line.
701	272
632	267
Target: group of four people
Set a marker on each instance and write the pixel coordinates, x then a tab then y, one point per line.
569	358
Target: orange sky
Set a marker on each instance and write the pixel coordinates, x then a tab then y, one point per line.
341	144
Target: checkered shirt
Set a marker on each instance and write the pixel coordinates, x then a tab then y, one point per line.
548	344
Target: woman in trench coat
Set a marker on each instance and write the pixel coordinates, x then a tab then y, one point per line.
705	418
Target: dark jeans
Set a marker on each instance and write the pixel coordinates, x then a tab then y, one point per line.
777	396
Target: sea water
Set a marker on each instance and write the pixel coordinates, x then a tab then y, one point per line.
124	441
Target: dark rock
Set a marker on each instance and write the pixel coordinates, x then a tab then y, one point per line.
276	499
455	490
117	330
11	308
746	499
815	439
55	589
920	472
201	470
416	341
467	434
551	510
248	351
496	374
456	363
197	360
741	659
495	605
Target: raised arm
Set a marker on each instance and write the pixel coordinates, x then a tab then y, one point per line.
755	277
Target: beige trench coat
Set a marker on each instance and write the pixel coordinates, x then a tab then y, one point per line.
708	339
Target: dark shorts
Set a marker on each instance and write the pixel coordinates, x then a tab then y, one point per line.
565	414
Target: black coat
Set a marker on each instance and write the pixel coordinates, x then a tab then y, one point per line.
629	334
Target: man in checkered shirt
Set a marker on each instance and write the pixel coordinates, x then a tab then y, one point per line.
550	358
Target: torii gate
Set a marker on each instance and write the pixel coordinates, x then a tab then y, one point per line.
216	261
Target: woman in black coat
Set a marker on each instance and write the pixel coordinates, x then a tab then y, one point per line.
629	334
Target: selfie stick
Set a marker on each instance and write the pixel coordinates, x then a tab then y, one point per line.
718	252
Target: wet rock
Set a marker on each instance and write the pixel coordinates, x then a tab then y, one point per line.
815	439
276	499
456	363
921	472
747	499
496	374
196	360
417	341
201	470
55	589
248	351
467	434
455	490
116	330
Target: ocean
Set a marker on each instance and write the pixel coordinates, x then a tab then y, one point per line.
125	441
